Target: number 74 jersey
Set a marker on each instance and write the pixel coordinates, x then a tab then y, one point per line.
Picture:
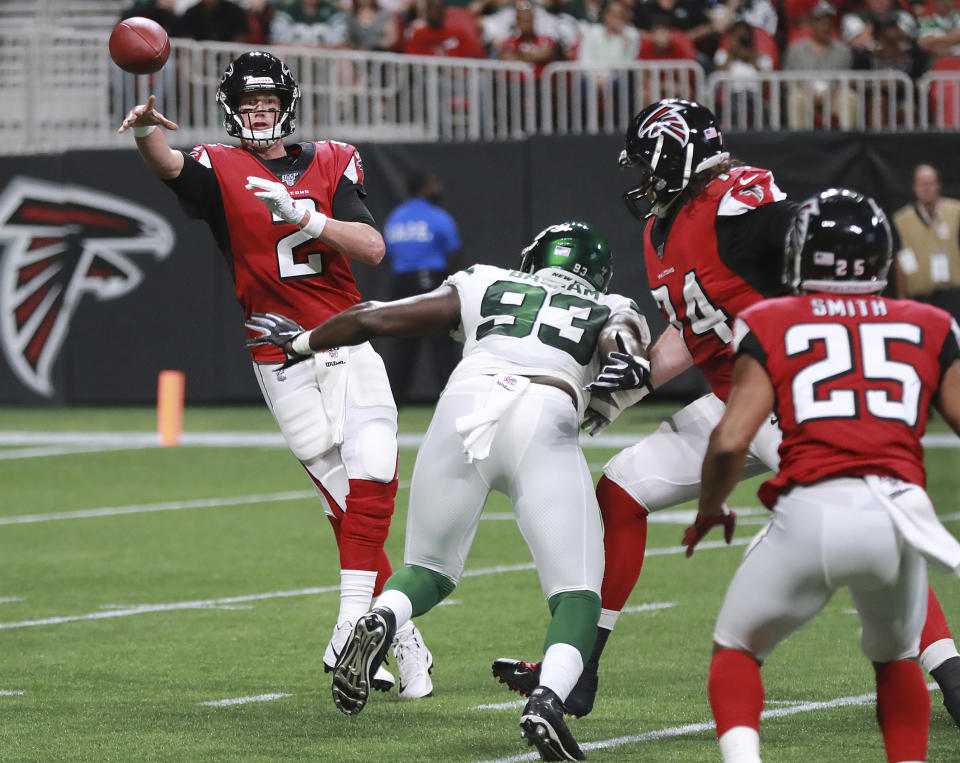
541	324
854	377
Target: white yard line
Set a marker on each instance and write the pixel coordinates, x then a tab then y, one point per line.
653	606
501	705
225	602
244	700
9	693
696	728
10	599
114	440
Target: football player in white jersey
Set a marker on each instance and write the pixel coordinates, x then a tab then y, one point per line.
534	338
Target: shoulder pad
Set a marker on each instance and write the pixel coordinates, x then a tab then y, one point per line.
746	188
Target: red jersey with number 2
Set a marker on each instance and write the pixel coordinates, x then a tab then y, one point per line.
276	266
854	377
693	287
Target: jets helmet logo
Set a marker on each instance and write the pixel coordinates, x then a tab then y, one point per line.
667	120
59	243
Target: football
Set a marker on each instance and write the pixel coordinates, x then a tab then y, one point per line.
139	45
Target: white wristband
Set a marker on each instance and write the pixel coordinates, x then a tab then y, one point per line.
315	227
301	344
143	132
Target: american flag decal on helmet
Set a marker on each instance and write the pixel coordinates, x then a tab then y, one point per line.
59	243
667	120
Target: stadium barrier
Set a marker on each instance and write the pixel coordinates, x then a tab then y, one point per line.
63	91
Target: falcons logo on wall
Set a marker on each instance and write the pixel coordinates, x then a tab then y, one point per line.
59	243
667	120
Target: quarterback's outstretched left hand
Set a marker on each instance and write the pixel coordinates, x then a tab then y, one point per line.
622	371
702	524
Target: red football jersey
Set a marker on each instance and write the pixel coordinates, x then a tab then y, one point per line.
854	377
276	266
696	291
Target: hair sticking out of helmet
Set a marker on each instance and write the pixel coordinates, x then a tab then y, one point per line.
258	72
839	243
575	247
669	142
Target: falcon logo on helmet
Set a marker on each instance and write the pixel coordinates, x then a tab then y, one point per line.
666	120
59	244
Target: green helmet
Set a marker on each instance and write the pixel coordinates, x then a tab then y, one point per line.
572	246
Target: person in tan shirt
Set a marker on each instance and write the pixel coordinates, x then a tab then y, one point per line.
928	261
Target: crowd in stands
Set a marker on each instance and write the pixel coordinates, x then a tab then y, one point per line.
739	36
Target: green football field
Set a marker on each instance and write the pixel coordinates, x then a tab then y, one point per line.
174	603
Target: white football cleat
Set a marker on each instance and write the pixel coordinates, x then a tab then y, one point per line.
414	663
382	679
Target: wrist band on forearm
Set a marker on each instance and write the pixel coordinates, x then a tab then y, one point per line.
314	228
143	132
301	344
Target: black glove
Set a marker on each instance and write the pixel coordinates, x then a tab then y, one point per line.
278	330
622	371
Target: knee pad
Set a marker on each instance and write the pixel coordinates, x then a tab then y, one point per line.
303	423
374	453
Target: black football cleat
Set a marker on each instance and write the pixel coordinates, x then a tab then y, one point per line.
524	677
948	677
542	725
362	655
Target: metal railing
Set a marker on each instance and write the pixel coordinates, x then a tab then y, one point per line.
577	98
800	100
939	94
60	90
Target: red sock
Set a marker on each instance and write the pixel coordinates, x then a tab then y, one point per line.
903	710
736	691
365	524
935	628
624	542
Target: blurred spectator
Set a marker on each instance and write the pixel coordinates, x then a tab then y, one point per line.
613	42
584	11
761	14
688	16
820	52
161	11
309	22
938	33
742	98
371	27
664	42
218	20
859	27
444	32
928	262
260	19
526	44
548	19
423	247
893	48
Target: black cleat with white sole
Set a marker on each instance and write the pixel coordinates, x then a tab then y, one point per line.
362	655
524	677
542	725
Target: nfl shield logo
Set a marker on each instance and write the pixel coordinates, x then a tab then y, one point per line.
289	179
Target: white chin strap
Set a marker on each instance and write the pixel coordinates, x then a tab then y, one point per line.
843	287
263	138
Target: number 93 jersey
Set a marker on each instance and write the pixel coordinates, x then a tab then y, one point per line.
854	377
541	324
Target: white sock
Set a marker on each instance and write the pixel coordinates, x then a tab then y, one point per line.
741	744
561	668
608	618
356	592
398	603
937	653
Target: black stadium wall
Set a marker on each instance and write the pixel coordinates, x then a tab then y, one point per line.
132	287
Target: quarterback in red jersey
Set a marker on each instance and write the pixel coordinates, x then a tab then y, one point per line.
288	220
712	241
850	376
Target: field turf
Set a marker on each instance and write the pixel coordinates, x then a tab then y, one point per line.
141	584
